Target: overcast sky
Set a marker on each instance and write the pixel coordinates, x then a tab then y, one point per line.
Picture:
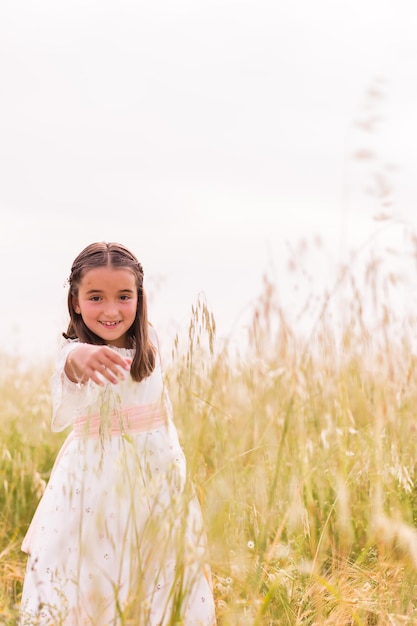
208	136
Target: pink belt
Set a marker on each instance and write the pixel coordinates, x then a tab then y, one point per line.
134	419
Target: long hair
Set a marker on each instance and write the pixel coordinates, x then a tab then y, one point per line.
103	254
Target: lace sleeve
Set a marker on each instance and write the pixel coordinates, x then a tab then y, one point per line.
68	398
165	395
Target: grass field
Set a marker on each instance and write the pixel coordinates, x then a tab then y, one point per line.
304	453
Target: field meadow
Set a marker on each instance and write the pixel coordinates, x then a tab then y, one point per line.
302	447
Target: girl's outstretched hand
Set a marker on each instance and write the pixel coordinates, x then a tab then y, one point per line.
96	363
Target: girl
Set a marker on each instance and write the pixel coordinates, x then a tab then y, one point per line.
117	538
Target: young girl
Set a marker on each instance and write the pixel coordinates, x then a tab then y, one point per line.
117	537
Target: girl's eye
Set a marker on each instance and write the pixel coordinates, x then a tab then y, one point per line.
124	298
95	298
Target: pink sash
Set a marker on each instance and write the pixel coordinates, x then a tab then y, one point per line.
134	419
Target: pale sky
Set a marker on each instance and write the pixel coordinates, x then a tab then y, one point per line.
208	136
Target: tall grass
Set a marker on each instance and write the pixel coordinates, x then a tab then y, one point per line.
303	449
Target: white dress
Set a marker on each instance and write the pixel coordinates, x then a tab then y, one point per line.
117	537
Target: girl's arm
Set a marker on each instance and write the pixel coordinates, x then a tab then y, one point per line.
73	380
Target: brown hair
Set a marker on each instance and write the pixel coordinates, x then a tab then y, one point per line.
103	254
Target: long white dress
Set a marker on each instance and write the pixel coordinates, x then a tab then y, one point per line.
117	537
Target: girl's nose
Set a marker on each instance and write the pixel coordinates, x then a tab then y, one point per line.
111	309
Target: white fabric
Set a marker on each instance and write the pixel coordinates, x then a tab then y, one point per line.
117	537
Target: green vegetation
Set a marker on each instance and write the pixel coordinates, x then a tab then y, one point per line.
303	450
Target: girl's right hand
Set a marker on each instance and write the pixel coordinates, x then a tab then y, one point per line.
96	363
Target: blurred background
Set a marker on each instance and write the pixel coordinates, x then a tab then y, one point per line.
219	140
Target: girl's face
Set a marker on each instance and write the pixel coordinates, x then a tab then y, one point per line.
107	301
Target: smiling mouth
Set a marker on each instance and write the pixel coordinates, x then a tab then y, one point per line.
110	324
